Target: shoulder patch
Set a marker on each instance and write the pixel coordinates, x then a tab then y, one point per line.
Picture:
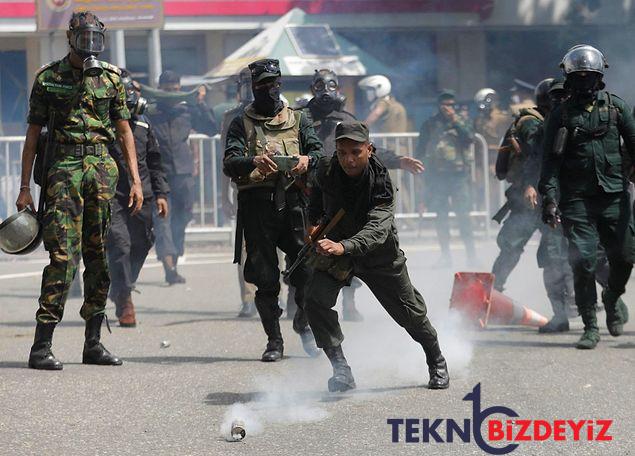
110	67
46	67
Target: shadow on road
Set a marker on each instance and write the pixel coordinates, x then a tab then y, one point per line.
226	398
31	324
522	343
185	359
13	365
630	345
229	398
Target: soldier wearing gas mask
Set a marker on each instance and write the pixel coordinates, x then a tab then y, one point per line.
584	185
131	237
271	201
326	109
82	101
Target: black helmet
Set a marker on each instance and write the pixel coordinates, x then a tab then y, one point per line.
541	92
583	58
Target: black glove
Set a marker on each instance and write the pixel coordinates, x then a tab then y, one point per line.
550	214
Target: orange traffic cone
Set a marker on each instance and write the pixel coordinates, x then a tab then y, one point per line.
473	294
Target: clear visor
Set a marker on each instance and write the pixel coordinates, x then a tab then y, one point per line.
89	41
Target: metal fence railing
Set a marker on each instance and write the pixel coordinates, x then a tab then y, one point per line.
208	210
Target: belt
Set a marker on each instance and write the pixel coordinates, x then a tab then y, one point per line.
81	150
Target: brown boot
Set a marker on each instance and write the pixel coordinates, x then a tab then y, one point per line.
127	319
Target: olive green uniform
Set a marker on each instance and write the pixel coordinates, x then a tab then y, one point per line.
444	148
369	236
522	221
81	180
587	180
269	216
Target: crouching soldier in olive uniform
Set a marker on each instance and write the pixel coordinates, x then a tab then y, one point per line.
326	110
85	111
271	203
363	244
584	183
130	237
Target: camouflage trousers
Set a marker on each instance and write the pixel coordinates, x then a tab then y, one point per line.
76	221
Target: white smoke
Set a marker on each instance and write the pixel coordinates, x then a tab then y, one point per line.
280	404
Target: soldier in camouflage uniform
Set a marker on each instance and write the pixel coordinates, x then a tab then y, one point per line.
443	146
83	103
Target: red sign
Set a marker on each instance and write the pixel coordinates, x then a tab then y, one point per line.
26	8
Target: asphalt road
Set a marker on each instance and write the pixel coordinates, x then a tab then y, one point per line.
178	400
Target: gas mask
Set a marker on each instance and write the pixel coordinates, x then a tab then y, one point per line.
584	84
325	88
135	103
87	40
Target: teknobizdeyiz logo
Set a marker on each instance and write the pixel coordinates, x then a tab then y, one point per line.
506	433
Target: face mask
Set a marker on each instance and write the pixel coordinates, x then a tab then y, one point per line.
267	100
583	85
88	44
370	96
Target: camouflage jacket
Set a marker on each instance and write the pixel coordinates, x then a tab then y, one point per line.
85	108
444	146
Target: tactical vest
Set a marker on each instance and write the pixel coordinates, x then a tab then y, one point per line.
280	134
446	150
510	160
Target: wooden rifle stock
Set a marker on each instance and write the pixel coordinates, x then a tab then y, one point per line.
320	232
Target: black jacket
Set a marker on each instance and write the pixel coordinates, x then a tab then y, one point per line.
367	231
173	125
151	172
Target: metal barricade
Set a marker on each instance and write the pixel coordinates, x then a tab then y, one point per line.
208	213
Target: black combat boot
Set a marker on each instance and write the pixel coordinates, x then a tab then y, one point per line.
342	379
437	367
171	275
616	313
94	351
41	356
559	322
275	345
555	325
591	336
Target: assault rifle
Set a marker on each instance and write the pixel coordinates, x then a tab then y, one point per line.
320	232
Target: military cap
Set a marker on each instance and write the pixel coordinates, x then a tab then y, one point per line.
263	69
352	129
446	94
